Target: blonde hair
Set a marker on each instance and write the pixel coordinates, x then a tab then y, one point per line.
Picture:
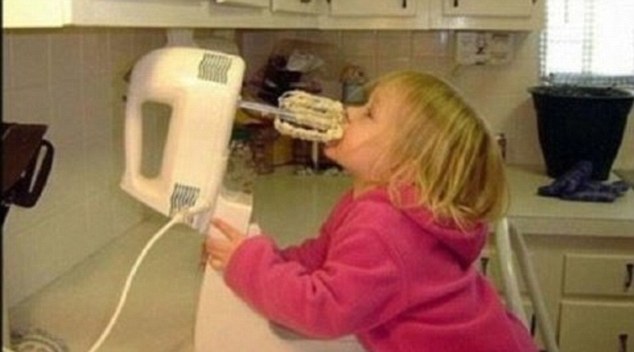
445	148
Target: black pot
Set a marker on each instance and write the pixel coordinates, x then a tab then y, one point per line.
580	123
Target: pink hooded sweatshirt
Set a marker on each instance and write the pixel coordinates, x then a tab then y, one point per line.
393	277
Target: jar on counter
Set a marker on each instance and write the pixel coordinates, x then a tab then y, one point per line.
261	141
353	79
500	138
240	174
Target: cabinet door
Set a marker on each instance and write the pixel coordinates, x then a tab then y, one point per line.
179	14
378	8
252	3
299	6
592	327
501	8
610	275
487	14
33	13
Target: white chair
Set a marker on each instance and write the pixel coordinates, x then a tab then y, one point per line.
510	243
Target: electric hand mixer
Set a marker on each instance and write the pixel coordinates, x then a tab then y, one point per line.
203	89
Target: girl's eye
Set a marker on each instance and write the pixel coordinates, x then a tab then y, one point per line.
368	113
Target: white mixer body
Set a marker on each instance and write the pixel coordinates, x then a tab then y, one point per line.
202	88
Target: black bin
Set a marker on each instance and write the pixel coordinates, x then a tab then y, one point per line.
580	123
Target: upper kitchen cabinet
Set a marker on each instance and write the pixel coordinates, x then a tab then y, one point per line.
378	8
149	13
322	14
311	7
33	14
487	14
251	3
185	13
381	14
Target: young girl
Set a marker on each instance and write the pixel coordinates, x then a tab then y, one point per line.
393	263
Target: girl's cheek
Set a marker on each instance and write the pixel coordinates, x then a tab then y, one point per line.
329	150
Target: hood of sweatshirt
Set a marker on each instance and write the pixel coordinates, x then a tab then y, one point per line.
465	244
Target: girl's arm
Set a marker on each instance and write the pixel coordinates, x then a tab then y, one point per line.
310	253
358	286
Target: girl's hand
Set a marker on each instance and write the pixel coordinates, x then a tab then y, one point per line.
218	251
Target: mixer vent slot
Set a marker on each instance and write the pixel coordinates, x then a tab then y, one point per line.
214	68
183	197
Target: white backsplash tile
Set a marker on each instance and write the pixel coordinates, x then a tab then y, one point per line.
257	43
30	258
31	58
97	96
436	65
121	51
94	49
99	217
431	43
367	62
67	112
7	65
359	43
71	80
99	171
66	56
387	64
394	44
67	181
327	37
29	104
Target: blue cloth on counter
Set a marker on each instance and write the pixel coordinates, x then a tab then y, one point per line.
576	185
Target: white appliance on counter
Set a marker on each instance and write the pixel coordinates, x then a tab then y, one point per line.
202	88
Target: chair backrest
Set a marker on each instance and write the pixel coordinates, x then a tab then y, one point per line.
510	243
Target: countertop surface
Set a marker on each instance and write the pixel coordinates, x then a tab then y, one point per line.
546	215
283	195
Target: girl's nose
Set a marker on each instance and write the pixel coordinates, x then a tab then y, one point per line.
346	114
351	111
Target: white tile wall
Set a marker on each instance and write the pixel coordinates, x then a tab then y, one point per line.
72	81
499	93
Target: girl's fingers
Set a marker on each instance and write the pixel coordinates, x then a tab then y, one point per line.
217	245
220	250
217	264
226	229
204	256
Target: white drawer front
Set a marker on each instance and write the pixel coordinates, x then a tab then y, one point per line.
599	275
593	327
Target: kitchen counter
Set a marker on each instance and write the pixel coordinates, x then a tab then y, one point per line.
312	196
545	215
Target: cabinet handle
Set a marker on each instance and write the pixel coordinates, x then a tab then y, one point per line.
404	4
629	273
456	3
305	1
533	324
484	262
622	342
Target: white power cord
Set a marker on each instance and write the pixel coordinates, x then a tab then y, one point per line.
178	217
126	288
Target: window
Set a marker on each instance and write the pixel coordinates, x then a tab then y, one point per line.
588	42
